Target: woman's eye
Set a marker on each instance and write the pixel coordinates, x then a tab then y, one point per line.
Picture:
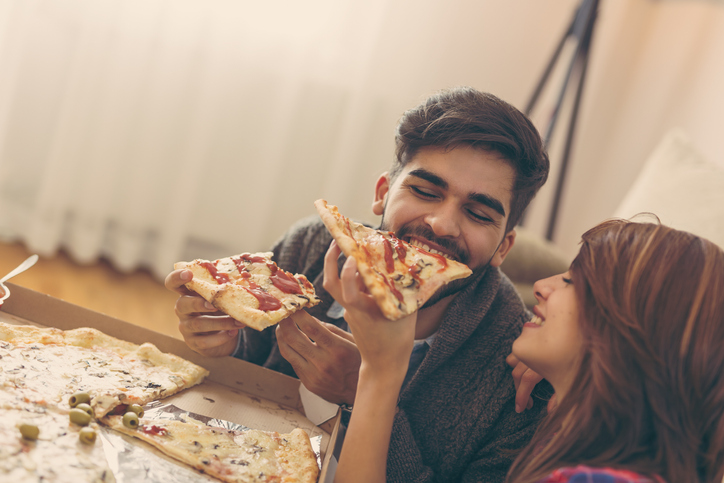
567	281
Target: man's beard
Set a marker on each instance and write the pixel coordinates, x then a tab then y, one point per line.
456	251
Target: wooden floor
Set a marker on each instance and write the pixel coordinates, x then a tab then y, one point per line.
137	298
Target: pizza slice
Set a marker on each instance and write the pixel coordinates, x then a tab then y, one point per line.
48	366
250	288
229	455
400	277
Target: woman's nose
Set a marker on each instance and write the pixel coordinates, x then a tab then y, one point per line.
543	288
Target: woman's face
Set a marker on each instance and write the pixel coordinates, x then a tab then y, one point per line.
551	343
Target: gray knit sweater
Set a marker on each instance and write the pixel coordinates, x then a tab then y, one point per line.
457	420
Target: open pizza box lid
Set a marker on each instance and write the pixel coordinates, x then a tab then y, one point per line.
235	390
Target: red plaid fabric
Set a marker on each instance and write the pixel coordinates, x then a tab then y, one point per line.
586	474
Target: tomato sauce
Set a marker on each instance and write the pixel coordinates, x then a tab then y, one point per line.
154	430
266	301
285	282
219	277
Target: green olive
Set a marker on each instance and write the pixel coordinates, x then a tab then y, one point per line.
130	420
87	435
79	417
29	431
136	409
86	407
79	398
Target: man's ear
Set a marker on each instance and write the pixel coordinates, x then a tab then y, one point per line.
382	187
503	249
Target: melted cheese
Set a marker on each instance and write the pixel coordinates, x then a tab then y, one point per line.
56	456
241	456
49	374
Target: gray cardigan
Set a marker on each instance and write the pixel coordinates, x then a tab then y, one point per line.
457	420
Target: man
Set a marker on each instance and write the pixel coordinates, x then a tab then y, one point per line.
467	164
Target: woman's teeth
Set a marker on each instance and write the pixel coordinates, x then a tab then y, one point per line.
537	320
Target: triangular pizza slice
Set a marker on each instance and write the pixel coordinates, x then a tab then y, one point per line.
250	288
229	455
400	277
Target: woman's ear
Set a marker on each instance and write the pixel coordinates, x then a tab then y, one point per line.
382	187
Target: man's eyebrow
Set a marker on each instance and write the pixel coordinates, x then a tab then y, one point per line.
429	177
486	200
481	198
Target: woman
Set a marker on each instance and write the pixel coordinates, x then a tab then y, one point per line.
631	340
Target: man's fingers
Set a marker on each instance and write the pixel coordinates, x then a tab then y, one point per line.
193	304
339	332
203	324
311	327
287	332
176	280
210	341
518	371
216	344
552	403
527	383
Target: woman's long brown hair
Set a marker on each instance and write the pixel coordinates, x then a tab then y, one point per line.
649	394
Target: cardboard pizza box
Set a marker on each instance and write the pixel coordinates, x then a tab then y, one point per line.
235	390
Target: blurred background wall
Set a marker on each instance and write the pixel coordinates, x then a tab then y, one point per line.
151	131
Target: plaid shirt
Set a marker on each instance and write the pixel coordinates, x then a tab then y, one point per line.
586	474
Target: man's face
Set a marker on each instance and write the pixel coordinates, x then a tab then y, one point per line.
456	202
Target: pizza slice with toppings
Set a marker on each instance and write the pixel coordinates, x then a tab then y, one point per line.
400	277
229	455
250	288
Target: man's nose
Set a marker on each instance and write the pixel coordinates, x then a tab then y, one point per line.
443	221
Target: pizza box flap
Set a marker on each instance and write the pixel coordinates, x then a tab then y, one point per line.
235	390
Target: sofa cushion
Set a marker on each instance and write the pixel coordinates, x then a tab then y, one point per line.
683	188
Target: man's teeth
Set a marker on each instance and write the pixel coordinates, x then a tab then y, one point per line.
427	248
537	320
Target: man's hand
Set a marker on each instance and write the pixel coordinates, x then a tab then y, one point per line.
324	356
204	329
525	381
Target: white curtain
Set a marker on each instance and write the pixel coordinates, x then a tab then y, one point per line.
151	131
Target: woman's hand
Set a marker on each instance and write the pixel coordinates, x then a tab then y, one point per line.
384	345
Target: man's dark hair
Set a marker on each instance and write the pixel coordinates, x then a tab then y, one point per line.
466	116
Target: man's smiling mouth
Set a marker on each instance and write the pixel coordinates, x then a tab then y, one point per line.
417	243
